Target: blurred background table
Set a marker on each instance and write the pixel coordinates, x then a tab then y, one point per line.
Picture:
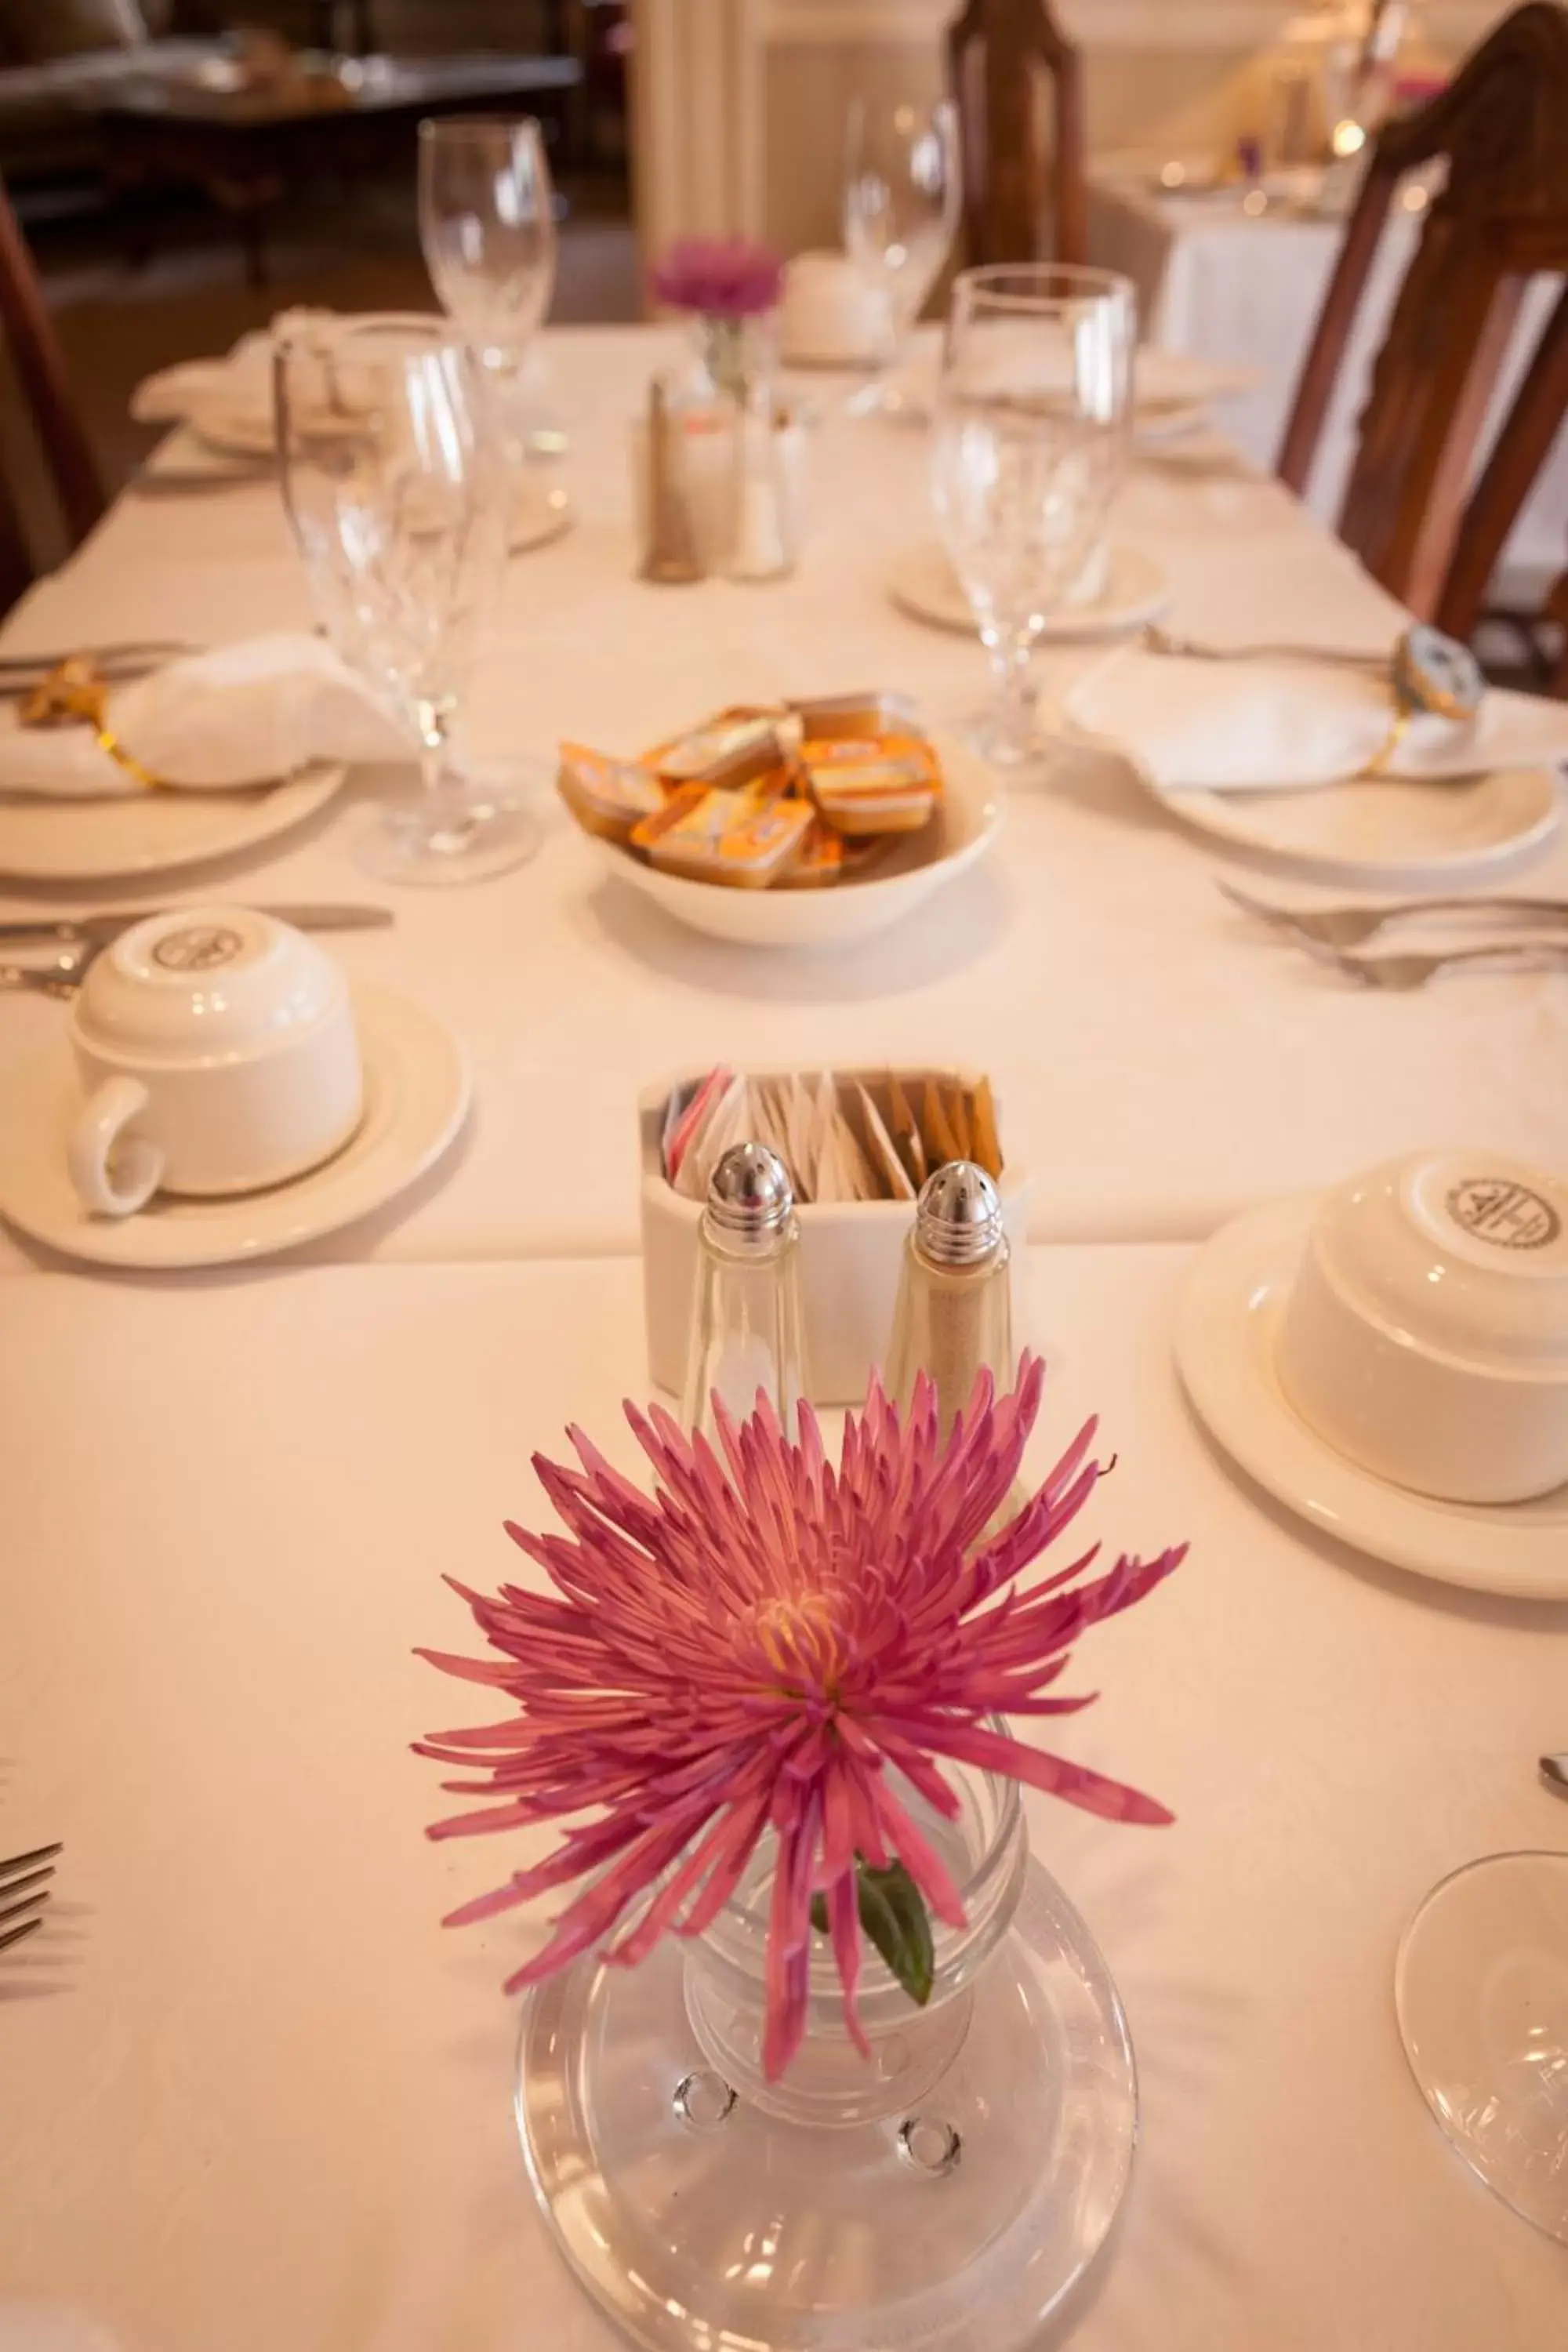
1244	288
256	2095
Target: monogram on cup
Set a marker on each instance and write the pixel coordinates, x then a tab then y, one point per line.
200	946
1497	1208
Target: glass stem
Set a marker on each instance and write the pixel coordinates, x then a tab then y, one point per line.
1011	653
434	719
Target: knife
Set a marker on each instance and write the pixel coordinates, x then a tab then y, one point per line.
76	929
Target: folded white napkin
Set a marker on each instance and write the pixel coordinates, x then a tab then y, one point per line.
1256	725
244	714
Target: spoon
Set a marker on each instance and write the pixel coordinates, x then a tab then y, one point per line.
1555	1772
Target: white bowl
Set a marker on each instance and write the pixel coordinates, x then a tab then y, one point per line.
966	823
1426	1333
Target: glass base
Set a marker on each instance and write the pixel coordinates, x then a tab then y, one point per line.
693	2219
989	733
482	827
1481	1989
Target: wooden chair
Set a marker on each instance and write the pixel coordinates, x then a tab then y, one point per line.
1408	511
45	387
997	51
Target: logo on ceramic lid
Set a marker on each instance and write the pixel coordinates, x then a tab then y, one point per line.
1496	1208
200	947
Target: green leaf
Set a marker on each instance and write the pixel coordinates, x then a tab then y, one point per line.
893	1917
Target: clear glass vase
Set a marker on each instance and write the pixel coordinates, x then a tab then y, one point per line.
975	2162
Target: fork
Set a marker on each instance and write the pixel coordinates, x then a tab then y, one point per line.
1351	926
1415	971
25	1870
61	976
1162	641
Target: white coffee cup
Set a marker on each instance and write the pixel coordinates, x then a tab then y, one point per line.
830	316
1425	1334
217	1053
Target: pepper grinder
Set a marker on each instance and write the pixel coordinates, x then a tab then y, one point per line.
954	1313
746	1321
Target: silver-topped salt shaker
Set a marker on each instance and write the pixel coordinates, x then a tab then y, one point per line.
746	1317
954	1313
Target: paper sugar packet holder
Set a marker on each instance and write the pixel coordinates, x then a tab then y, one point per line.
850	1251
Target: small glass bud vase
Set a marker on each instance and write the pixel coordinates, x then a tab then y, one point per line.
973	2163
732	353
746	1314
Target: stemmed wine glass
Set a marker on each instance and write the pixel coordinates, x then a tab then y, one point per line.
487	228
901	198
390	469
1029	447
1482	1994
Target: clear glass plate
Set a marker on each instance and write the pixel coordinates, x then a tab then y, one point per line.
695	2220
1481	1989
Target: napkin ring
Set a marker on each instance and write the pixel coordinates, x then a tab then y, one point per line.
73	695
1433	674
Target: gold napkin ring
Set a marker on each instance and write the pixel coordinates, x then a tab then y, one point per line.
1433	674
72	695
1377	765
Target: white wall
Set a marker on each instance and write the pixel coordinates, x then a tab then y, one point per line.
740	103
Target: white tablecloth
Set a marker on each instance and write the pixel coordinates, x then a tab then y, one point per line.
256	2097
1161	1062
1248	292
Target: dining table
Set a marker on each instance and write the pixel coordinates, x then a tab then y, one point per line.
253	2093
257	2096
1161	1060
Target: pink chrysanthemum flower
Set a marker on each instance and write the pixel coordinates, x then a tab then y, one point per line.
766	1641
723	277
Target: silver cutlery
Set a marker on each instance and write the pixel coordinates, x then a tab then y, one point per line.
25	1871
97	930
105	658
1555	1772
1162	641
1351	926
60	977
1399	972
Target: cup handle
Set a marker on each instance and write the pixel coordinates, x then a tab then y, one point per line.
98	1128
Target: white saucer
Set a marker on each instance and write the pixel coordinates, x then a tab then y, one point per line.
922	581
1226	1320
1380	832
150	832
416	1093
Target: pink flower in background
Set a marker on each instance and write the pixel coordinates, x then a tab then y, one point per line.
725	277
768	1641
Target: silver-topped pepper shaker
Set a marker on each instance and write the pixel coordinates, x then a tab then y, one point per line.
746	1319
954	1313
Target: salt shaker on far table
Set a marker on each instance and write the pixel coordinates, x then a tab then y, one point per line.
764	545
954	1313
746	1323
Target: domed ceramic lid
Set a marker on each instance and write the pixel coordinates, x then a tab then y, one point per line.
1465	1252
201	983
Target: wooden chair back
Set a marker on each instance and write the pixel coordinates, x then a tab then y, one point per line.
1502	214
998	51
46	387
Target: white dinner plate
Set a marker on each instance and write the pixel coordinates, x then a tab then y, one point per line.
416	1095
150	832
909	871
923	582
1383	832
1227	1320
